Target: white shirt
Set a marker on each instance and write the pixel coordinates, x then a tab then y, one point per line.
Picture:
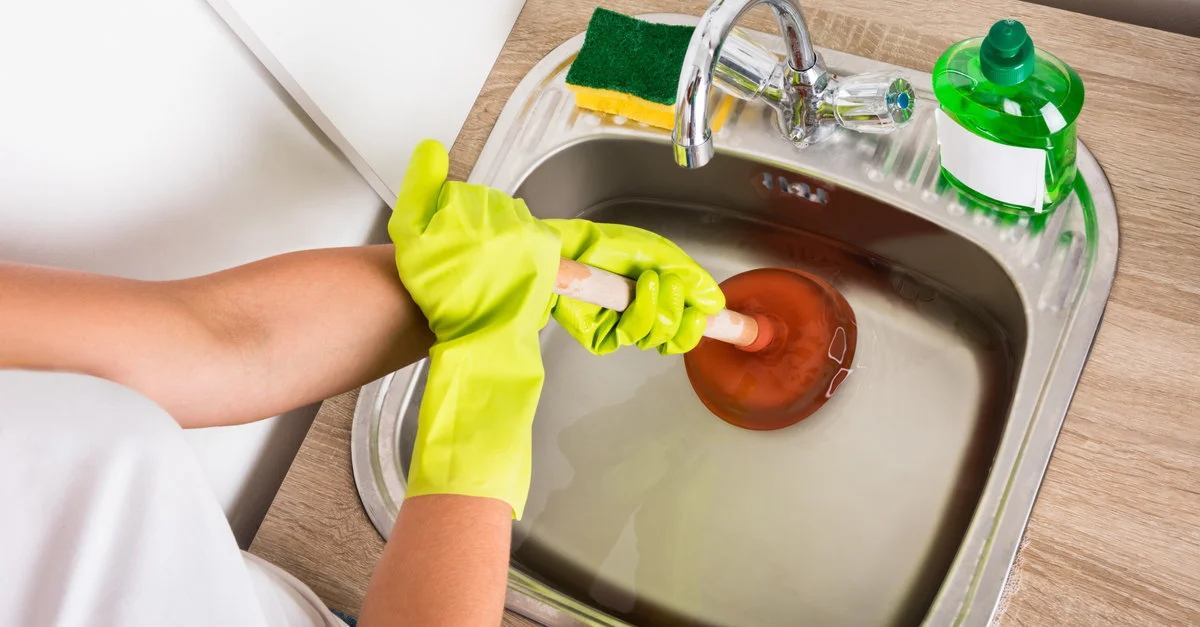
106	519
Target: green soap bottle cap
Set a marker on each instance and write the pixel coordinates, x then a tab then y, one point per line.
1006	55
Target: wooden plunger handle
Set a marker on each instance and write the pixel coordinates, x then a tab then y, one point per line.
613	291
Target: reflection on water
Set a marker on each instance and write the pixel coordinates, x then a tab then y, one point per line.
623	472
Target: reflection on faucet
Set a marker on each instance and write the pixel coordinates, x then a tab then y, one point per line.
809	101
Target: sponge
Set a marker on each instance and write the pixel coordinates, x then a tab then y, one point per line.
629	67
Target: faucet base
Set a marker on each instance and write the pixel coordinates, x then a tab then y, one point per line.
810	101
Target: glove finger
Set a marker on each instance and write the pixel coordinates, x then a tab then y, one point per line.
420	190
590	325
577	236
638	319
629	250
669	311
691	329
702	292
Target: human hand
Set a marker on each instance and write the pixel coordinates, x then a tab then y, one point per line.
481	269
673	298
473	258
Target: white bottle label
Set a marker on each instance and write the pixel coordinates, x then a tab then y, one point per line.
1010	174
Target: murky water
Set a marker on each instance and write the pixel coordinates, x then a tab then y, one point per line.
650	508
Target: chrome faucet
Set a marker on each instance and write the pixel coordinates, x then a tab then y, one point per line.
810	102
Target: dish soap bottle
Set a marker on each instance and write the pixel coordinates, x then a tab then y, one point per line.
1006	123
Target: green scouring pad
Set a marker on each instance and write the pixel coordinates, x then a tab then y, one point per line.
630	67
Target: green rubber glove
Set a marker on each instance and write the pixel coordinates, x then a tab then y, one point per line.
481	268
673	298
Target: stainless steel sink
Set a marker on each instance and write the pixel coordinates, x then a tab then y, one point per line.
904	499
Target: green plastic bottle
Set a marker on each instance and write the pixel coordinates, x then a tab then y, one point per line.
1006	124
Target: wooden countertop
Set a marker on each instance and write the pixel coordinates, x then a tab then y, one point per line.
1115	534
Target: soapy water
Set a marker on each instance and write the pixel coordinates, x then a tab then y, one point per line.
648	507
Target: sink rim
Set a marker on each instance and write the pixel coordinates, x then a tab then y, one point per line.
974	585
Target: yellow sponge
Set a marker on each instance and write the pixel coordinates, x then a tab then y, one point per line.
631	68
639	110
617	103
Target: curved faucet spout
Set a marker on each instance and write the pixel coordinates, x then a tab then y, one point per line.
692	136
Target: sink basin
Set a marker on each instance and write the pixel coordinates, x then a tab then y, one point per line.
903	500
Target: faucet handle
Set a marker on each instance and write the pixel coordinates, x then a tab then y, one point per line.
876	102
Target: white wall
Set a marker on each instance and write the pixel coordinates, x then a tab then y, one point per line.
378	75
140	138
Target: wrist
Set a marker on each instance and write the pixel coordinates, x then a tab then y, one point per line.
474	434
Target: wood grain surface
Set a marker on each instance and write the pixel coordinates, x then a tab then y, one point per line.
1115	534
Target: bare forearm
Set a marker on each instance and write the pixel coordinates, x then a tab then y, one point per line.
60	320
226	348
446	563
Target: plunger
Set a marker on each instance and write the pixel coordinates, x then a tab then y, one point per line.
770	360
